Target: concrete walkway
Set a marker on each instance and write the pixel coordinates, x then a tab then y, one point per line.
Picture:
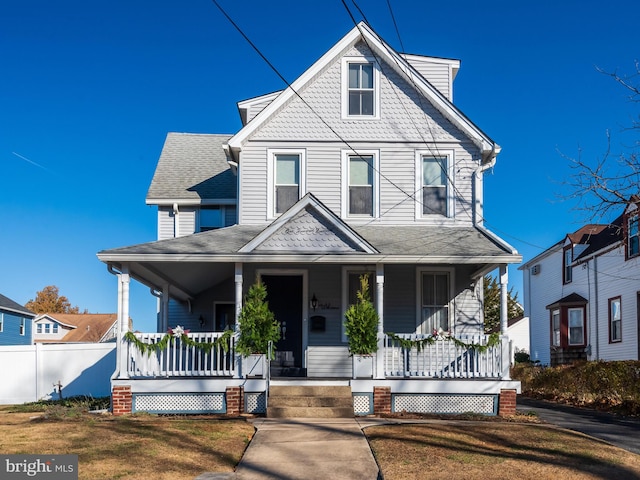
619	431
305	448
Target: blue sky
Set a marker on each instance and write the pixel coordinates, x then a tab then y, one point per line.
88	91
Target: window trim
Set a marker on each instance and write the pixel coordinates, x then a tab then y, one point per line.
583	312
420	272
434	153
272	153
629	218
567	268
23	326
346	156
612	301
345	87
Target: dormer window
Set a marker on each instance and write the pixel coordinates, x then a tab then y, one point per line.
633	237
567	269
360	79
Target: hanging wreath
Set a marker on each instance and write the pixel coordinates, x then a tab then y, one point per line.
440	335
183	334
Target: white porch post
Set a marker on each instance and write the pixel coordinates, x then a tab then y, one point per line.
379	372
504	311
504	280
165	308
238	282
123	321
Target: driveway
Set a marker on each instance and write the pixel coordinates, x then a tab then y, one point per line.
622	432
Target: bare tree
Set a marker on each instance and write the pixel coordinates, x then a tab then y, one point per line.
601	189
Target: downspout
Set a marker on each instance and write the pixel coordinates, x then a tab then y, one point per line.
479	189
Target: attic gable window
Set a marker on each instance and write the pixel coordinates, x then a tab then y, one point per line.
360	88
633	236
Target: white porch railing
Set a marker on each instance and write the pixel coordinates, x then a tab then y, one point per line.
178	359
446	359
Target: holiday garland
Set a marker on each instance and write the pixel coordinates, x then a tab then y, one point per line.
494	339
182	334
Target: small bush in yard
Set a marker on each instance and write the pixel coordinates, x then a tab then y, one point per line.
611	386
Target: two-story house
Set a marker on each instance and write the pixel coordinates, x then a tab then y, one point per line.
363	165
15	323
583	294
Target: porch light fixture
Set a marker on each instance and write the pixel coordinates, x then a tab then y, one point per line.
314	302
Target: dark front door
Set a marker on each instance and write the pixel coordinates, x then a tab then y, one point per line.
284	294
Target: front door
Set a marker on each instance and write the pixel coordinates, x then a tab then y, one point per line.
284	294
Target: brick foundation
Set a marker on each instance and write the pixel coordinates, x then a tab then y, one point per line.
235	400
381	400
121	400
507	403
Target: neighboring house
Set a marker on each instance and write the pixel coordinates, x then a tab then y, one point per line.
75	327
362	166
518	332
15	323
583	294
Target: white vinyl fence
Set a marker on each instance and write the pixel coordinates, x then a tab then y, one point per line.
33	372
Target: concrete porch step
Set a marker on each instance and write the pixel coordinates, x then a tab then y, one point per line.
320	401
310	412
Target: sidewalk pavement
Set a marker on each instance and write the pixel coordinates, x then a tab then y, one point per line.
619	431
306	448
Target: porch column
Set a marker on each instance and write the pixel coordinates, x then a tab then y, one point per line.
165	308
123	321
504	280
238	282
379	374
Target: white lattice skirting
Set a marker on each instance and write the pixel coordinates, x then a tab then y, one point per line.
363	403
445	404
180	403
255	402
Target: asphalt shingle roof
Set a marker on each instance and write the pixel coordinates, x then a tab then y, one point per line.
8	304
193	167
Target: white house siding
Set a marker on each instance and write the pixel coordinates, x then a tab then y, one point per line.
542	289
438	73
323	178
171	225
616	278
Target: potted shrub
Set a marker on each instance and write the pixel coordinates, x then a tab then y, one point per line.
258	327
362	330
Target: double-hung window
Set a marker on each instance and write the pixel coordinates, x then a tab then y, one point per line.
1	322
47	328
633	236
360	92
286	179
434	301
433	184
576	326
22	326
555	328
360	189
615	320
567	268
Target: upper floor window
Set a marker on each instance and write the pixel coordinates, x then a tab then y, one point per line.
22	326
1	322
567	269
360	192
39	328
633	236
360	87
211	217
434	301
615	320
54	329
286	180
434	185
47	328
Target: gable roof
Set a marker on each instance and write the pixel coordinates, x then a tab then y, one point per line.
9	305
84	327
387	54
309	226
192	169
